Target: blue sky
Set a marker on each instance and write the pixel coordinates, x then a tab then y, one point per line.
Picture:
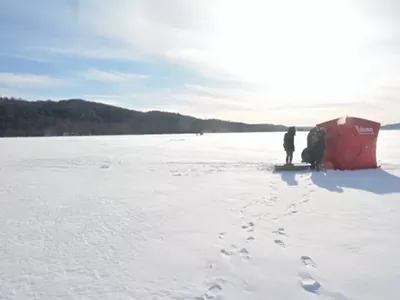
255	61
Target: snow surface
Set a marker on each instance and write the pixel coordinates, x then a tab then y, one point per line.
193	217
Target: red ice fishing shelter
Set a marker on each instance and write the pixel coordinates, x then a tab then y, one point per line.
350	143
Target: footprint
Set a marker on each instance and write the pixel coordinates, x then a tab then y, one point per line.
250	238
249	227
202	297
293	208
226	252
229	252
215	287
307	261
221	235
280	243
280	231
309	283
244	253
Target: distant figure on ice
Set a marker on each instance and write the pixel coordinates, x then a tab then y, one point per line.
288	143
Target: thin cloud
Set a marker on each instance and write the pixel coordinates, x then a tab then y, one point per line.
93	51
28	80
223	93
109	76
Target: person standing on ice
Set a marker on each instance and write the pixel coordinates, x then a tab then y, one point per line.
316	149
312	137
308	155
320	148
288	144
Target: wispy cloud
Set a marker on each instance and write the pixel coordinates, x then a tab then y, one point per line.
94	50
276	62
28	80
208	37
112	76
219	92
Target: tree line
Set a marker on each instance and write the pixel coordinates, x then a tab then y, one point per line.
79	117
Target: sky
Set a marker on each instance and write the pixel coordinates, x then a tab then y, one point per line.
258	61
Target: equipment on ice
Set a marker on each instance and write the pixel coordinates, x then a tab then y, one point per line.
291	167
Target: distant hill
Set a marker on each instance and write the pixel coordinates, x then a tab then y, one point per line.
79	117
391	126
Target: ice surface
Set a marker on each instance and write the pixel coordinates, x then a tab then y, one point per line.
193	217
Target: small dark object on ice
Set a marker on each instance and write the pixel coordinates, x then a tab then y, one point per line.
291	167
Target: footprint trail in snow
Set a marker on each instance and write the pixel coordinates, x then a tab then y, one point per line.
280	232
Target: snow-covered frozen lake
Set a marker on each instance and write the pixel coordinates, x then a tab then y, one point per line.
193	217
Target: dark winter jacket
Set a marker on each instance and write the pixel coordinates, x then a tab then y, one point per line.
305	156
318	150
312	138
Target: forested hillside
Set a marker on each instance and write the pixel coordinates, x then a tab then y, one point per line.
80	117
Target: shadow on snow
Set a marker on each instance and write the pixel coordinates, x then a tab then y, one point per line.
289	178
377	181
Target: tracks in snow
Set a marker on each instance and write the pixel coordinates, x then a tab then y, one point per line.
308	275
241	251
269	208
308	266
